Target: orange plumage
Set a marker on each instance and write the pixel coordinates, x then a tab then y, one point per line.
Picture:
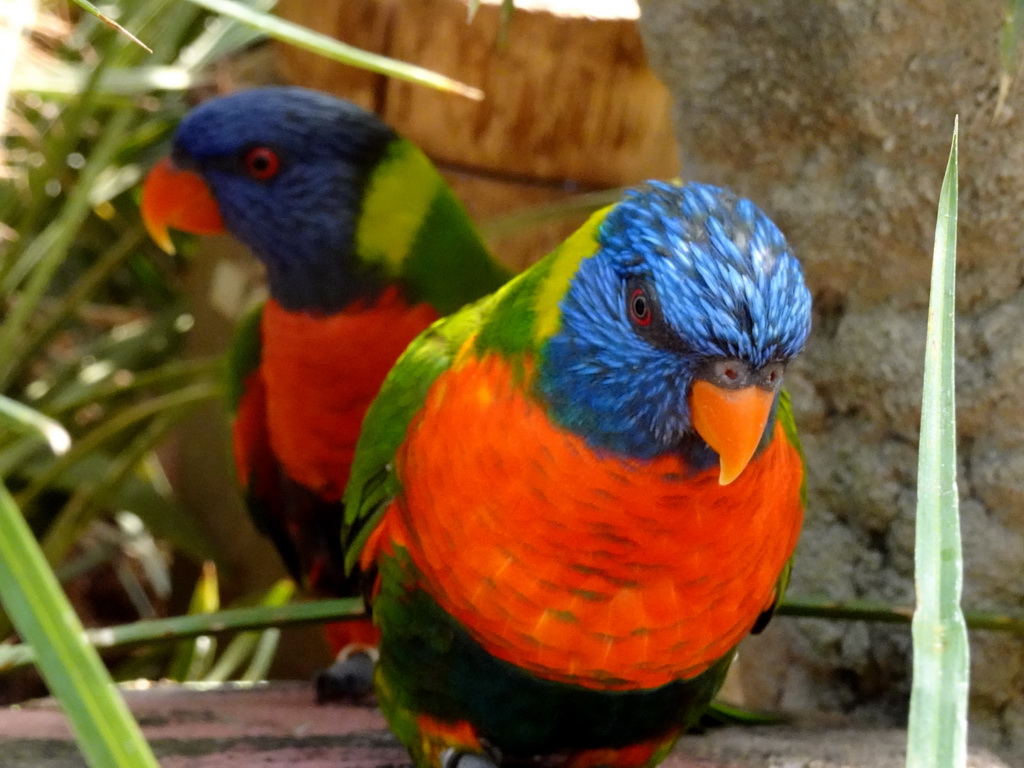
320	375
647	575
300	413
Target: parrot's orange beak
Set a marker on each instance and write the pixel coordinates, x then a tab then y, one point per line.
731	421
178	199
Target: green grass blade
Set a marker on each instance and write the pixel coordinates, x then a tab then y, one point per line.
937	732
166	375
178	628
86	5
263	656
873	610
191	659
165	23
576	206
180	401
252	647
508	7
63	79
105	730
89	498
1010	37
84	287
47	251
220	38
16	417
238	652
327	46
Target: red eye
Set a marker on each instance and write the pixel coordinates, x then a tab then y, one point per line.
640	307
262	163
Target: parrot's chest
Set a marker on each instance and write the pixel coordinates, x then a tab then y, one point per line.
321	373
583	568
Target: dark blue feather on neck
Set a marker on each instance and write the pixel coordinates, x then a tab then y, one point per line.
723	284
301	223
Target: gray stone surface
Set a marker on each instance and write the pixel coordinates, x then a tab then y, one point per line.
811	747
836	117
278	725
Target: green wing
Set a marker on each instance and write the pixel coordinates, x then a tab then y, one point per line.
373	482
785	417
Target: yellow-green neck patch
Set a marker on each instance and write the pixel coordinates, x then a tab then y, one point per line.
566	260
399	193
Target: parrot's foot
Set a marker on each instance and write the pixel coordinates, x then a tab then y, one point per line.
454	758
349	677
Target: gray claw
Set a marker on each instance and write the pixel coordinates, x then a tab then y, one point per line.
453	758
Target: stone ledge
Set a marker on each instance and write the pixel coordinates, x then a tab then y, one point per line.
277	725
810	747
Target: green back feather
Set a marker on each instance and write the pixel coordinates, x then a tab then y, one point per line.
784	414
786	418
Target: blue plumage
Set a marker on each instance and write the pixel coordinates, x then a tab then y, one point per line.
301	221
720	283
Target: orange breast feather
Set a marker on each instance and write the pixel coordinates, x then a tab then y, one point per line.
585	568
321	374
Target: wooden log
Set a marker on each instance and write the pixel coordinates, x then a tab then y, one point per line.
569	97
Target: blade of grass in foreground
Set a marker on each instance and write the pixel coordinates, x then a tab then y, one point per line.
875	610
1012	33
327	46
20	418
86	5
178	628
253	647
105	730
937	732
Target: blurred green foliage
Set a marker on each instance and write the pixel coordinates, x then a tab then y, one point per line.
94	316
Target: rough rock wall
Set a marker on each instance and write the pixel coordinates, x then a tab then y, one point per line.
836	117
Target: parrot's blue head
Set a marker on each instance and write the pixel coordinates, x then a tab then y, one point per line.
286	168
674	335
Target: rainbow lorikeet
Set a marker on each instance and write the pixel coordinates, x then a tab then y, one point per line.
576	496
364	246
